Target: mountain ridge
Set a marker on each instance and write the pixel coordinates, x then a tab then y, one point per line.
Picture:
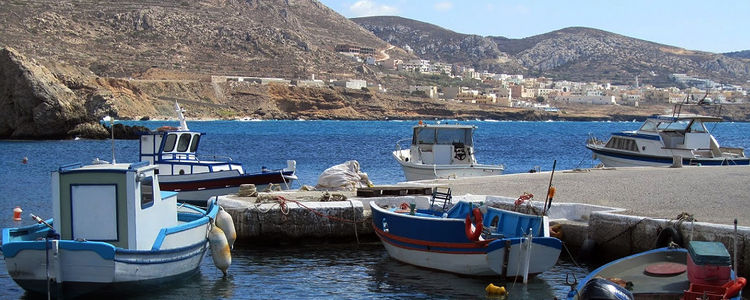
572	53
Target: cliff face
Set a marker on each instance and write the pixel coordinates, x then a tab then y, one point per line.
33	102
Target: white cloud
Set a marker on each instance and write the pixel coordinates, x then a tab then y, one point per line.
364	8
443	6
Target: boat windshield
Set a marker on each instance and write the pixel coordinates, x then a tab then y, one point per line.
677	125
443	136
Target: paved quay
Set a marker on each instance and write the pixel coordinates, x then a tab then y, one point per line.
711	194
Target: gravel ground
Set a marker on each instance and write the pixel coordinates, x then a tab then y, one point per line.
710	194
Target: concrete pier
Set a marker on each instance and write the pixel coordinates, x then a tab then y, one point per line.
647	199
622	211
287	217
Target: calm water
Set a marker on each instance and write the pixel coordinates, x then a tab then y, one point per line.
323	271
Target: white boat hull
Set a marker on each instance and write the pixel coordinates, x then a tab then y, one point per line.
481	264
416	171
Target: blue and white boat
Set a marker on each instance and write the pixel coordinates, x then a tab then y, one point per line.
662	273
663	140
174	151
495	242
113	229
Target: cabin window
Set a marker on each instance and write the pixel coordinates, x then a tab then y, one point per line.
169	142
425	136
679	125
649	125
184	142
622	144
453	136
147	191
697	126
194	143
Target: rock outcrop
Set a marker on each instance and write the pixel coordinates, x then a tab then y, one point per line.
33	102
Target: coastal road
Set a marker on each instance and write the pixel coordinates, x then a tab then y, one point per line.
711	194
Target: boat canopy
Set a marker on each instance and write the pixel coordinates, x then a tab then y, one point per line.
443	135
694	123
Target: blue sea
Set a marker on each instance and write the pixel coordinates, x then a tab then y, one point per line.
344	270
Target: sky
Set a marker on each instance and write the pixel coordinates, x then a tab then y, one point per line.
710	25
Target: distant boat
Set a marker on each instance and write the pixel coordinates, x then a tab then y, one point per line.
174	150
665	139
468	238
113	230
441	151
664	273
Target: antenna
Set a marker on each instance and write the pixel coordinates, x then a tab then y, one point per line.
183	124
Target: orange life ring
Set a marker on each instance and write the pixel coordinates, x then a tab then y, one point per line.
477	231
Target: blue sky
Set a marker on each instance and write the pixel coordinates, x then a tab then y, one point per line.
714	26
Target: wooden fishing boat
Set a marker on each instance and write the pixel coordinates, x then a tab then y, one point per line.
442	151
174	151
469	238
665	273
113	230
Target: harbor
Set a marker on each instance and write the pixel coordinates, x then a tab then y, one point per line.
600	205
317	233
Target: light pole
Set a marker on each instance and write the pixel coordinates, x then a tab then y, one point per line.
111	121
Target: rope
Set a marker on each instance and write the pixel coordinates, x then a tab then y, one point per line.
282	202
630	228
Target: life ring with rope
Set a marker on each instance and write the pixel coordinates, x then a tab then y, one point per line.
525	197
474	233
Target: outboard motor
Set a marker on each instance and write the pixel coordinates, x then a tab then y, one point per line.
602	289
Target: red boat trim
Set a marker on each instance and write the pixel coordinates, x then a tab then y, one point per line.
475	245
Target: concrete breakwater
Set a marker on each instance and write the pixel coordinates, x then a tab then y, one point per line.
288	217
650	202
601	232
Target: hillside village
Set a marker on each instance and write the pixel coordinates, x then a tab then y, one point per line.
515	90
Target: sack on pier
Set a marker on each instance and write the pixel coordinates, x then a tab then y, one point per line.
343	177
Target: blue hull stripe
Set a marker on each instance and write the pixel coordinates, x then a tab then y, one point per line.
668	160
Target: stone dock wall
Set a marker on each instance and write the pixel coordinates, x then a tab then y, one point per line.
293	221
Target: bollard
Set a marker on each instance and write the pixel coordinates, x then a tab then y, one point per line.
17	213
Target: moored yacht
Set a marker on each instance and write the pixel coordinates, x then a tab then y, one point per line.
442	151
664	140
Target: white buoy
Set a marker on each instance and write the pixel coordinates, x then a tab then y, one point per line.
219	249
225	223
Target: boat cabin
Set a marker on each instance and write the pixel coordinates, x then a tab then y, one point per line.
174	151
688	131
443	144
119	204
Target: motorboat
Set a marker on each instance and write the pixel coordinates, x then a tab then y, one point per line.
467	237
441	151
174	151
702	271
113	229
664	140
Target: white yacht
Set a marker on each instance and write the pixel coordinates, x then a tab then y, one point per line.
442	151
665	140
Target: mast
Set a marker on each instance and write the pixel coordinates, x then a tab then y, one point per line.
180	116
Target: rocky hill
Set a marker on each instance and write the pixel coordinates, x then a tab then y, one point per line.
281	38
576	53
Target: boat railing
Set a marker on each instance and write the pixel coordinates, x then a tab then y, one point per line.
398	144
592	140
218	158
